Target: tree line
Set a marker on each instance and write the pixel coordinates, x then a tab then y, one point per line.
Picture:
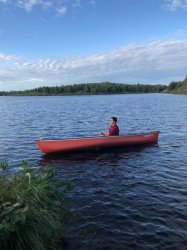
90	88
178	87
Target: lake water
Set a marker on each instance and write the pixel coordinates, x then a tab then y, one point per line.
126	199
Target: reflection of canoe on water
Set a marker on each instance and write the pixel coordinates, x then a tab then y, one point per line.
69	145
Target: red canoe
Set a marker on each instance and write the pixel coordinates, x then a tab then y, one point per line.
69	145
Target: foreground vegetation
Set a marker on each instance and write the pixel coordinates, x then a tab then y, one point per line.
32	208
89	88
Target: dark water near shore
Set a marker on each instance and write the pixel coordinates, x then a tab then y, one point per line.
126	199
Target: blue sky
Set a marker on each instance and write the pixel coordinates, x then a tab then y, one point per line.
55	42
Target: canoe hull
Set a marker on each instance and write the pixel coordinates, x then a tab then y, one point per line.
70	145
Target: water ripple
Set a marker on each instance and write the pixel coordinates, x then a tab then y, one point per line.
127	199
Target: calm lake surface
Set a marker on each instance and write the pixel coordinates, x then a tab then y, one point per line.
125	199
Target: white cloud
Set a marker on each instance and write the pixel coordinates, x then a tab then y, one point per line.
62	10
9	58
28	4
60	6
176	4
92	2
158	61
47	4
77	4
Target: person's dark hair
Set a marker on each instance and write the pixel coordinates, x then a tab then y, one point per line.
114	119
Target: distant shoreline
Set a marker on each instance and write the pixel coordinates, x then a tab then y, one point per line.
88	89
84	94
103	88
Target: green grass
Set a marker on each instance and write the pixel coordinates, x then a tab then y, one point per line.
177	87
32	208
182	89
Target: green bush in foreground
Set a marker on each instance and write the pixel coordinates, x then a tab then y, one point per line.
31	209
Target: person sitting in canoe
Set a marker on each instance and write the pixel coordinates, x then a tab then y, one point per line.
113	130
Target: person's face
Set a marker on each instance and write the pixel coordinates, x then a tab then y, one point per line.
112	122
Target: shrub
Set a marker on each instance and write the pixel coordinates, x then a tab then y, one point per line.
32	209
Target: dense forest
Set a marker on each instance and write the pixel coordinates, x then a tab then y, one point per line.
90	88
179	87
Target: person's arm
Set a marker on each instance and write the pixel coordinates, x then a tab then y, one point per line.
104	133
